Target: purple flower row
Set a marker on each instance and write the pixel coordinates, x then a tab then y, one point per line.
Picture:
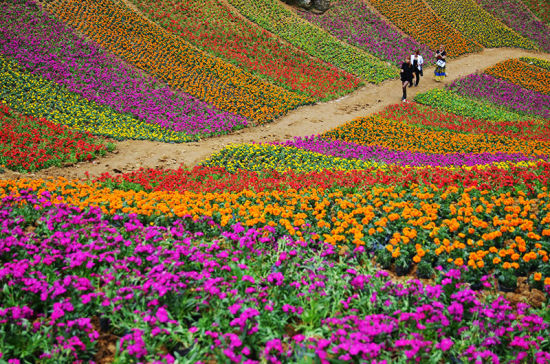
503	93
342	149
238	295
516	15
49	49
355	23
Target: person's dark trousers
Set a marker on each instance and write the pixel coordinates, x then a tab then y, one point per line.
404	93
417	76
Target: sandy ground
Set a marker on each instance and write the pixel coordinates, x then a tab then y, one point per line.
303	121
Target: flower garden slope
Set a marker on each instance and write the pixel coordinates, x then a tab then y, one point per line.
504	94
58	54
32	95
397	135
352	21
520	73
28	144
451	102
436	119
215	28
228	293
517	16
540	8
449	226
273	16
421	23
171	59
537	62
475	23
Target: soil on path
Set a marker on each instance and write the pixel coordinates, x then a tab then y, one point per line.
303	121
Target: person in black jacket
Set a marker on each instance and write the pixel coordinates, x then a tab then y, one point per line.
406	76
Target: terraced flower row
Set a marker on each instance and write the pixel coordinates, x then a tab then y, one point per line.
215	28
503	93
433	118
520	73
28	144
57	54
396	135
540	8
516	15
449	101
274	17
537	62
352	21
421	23
243	295
171	59
501	231
524	175
469	18
32	95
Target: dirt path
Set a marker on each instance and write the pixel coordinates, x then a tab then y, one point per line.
303	121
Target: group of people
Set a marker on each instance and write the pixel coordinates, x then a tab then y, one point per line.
411	69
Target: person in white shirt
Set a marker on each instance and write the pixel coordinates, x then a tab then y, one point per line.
417	62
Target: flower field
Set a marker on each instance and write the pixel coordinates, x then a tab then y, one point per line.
271	15
528	76
422	24
215	28
503	93
171	59
541	8
516	15
469	18
419	233
30	144
61	56
33	95
352	21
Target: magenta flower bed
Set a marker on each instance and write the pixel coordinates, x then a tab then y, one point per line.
186	290
342	149
355	23
503	93
516	15
49	49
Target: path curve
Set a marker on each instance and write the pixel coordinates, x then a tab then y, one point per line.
303	121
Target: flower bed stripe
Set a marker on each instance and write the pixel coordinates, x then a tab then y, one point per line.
520	73
422	24
171	59
274	17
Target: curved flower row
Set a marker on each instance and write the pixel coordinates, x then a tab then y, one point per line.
540	8
378	131
259	157
432	118
32	95
274	17
516	15
503	93
448	101
537	62
58	54
171	59
244	296
520	73
352	21
349	150
216	28
502	231
473	22
30	144
422	24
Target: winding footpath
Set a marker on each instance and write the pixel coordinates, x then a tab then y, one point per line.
303	121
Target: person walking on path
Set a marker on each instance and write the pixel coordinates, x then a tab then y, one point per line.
440	63
417	62
406	76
